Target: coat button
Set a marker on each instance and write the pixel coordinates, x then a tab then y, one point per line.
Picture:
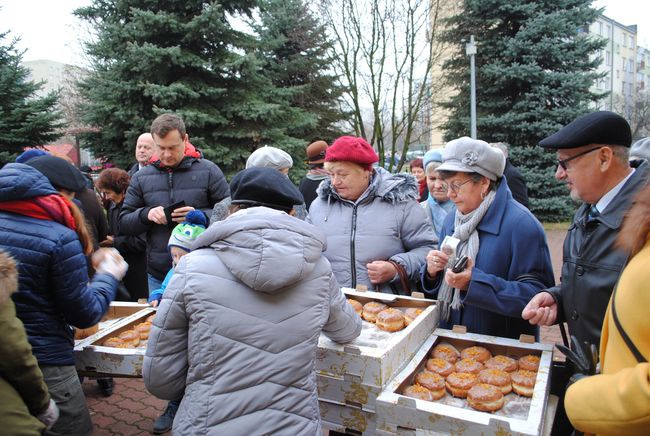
580	270
574	314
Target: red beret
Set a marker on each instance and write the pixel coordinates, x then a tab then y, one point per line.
351	149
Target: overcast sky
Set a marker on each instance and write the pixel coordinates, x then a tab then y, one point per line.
48	30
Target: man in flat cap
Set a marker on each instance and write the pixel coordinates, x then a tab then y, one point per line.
592	154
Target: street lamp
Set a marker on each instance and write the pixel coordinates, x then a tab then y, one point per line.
470	50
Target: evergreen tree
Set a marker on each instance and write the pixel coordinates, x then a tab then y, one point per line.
181	56
296	53
533	74
25	119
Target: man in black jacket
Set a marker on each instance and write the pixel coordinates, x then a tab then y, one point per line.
592	154
178	174
515	180
145	148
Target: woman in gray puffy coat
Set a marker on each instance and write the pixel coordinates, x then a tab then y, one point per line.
238	325
372	219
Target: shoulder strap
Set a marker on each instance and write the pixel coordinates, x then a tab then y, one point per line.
633	349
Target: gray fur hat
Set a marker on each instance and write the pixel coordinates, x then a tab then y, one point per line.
269	157
468	155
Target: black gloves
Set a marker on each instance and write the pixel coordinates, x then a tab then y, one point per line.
584	357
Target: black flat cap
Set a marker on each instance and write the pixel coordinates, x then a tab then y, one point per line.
60	173
600	127
264	187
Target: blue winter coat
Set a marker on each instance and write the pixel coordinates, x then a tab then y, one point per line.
53	293
512	265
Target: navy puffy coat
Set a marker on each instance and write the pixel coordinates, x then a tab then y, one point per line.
513	264
54	293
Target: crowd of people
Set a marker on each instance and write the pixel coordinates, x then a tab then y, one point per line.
246	275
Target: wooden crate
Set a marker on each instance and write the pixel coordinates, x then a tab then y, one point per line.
373	359
398	414
94	359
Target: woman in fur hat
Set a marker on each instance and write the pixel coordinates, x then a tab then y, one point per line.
26	407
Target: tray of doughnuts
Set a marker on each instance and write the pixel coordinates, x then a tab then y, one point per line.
470	384
118	348
117	311
386	342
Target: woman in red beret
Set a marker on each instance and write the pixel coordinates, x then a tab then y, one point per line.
372	219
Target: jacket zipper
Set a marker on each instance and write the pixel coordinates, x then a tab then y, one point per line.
352	237
170	182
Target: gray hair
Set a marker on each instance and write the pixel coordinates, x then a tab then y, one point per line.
503	146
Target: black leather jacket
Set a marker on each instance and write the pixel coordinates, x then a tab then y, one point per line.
591	264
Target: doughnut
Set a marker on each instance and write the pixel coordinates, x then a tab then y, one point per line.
143	329
410	314
485	398
446	352
371	309
419	392
433	382
131	338
480	354
439	366
529	363
497	378
390	320
523	382
504	363
458	383
358	307
468	365
114	342
150	318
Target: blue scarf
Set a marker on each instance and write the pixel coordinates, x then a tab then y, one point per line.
438	212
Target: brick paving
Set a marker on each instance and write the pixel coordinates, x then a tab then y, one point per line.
131	410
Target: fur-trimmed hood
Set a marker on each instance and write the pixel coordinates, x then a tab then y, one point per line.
393	188
8	277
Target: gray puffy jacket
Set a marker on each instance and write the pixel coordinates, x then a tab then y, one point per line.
238	328
385	223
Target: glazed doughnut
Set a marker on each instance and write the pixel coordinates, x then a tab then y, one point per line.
439	366
485	398
131	338
419	392
410	314
143	329
446	352
523	382
458	383
529	363
497	378
504	363
358	307
114	342
480	354
435	383
371	309
150	318
390	320
469	365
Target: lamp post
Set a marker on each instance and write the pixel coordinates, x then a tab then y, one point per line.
470	50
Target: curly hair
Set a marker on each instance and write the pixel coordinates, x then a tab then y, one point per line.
114	179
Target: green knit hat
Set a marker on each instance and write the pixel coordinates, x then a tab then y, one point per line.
186	232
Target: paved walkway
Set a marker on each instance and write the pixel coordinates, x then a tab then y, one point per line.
131	410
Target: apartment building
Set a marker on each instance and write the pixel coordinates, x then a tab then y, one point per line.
624	63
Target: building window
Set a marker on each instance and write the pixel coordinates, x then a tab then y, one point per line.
600	27
624	40
608	58
623	88
630	65
631	41
624	64
609	30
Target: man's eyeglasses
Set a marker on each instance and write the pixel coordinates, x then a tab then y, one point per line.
563	162
455	187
